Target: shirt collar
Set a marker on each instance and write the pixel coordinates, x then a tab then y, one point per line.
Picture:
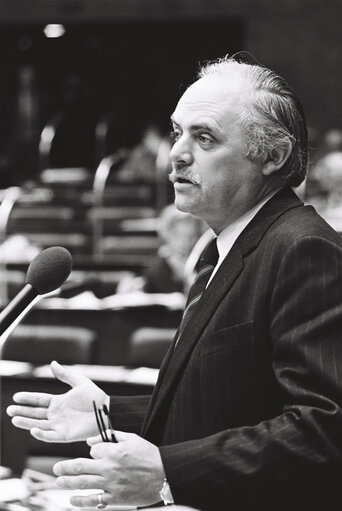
229	235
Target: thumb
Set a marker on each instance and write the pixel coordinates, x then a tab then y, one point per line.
66	375
121	436
94	440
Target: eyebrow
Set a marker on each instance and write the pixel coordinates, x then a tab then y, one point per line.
203	126
196	127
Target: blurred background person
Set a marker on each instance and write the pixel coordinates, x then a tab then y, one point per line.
141	162
324	188
178	233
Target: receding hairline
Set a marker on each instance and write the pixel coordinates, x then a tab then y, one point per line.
237	90
248	76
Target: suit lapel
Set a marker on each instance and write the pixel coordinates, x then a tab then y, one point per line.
251	236
177	358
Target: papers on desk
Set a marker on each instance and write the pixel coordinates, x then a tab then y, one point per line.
88	301
13	367
15	490
12	489
39	490
173	301
138	376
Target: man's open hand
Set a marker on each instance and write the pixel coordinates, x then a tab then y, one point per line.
65	417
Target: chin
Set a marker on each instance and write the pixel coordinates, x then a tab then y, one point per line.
182	205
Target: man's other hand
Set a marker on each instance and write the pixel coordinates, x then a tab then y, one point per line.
129	472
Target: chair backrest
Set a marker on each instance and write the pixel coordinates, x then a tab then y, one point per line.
67	141
40	344
148	346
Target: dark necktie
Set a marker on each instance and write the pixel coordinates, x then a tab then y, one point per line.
207	263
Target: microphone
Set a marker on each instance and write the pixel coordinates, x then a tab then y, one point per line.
47	272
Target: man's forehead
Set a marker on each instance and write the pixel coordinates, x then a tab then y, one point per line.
210	95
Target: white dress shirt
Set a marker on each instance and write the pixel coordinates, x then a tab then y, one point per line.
229	235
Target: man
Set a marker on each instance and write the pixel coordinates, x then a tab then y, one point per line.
246	413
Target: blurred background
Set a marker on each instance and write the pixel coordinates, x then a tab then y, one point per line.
129	60
86	91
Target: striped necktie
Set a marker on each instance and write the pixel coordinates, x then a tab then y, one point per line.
207	263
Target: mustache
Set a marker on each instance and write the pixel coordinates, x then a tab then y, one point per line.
188	176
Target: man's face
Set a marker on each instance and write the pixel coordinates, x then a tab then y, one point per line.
212	176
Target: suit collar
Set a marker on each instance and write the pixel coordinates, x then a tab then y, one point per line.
222	281
282	201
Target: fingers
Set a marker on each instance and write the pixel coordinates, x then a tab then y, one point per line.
83	482
92	500
81	473
100	449
27	411
94	440
26	423
39	429
103	449
39	399
77	466
121	436
32	416
66	375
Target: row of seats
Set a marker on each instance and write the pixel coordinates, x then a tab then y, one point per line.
90	202
85	203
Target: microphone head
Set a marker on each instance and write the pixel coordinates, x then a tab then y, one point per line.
49	269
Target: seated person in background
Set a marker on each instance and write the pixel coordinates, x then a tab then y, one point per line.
141	162
324	188
169	272
330	142
178	233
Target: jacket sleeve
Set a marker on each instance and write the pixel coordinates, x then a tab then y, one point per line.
303	445
127	413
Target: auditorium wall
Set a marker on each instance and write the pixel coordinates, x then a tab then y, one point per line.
301	39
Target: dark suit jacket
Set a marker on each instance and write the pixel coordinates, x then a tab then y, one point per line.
247	408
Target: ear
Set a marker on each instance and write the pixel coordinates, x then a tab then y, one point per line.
278	158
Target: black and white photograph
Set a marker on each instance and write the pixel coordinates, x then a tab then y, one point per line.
170	255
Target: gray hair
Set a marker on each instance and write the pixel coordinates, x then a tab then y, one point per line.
273	117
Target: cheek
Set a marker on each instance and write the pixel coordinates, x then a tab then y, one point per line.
217	182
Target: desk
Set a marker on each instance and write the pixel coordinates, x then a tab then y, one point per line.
16	443
113	326
54	499
29	493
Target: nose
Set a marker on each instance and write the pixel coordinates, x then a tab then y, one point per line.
181	151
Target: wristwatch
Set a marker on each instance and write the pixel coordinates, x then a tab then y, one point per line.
165	494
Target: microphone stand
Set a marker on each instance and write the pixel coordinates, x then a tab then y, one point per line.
3	338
